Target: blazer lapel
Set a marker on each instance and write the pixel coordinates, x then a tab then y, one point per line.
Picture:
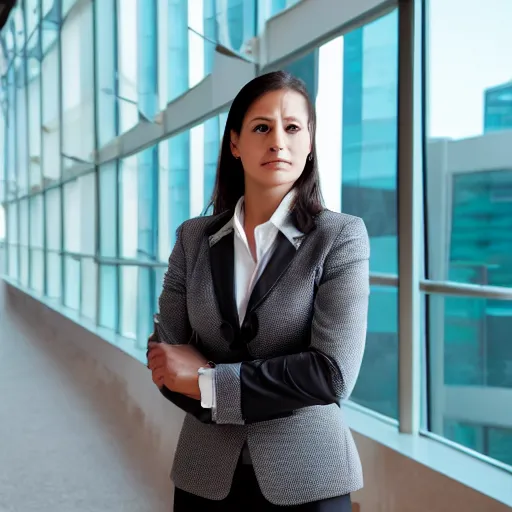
276	267
222	259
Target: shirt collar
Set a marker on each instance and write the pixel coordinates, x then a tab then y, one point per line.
281	219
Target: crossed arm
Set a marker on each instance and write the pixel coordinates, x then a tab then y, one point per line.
326	373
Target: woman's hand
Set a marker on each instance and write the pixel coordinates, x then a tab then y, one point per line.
175	367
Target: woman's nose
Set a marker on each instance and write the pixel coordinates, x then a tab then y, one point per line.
277	143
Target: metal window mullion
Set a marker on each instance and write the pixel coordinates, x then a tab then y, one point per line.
409	225
41	159
61	186
97	226
117	163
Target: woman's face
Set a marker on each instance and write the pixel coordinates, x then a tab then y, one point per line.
274	141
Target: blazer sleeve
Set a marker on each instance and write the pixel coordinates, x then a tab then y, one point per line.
266	389
174	327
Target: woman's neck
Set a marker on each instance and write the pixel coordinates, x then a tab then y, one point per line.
259	206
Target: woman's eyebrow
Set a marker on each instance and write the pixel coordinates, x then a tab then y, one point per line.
269	119
261	118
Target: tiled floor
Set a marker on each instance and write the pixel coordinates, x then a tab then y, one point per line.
61	448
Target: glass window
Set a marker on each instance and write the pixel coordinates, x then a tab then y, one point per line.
173	50
34	111
469	357
50	116
77	86
53	243
128	207
51	24
21	134
54	275
24	240
128	295
106	104
67	6
79	219
128	54
145	305
13	239
31	15
88	280
3	145
212	138
108	296
10	161
72	282
37	243
356	103
108	209
72	219
236	22
19	25
381	355
3	242
137	303
138	205
469	219
53	219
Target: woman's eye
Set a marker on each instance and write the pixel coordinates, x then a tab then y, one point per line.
293	128
261	128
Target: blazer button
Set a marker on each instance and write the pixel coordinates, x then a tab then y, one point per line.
250	328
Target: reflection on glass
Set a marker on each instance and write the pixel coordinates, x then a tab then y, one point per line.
469	177
236	22
36	243
128	207
34	110
128	296
77	86
108	209
54	275
24	241
470	362
106	101
469	219
50	116
108	296
21	133
53	243
356	102
145	311
377	385
494	442
88	279
127	64
37	270
72	282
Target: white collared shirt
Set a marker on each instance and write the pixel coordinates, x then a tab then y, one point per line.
248	270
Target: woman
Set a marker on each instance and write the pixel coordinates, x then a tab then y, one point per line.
263	314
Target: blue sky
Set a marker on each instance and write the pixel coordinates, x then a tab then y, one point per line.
470	49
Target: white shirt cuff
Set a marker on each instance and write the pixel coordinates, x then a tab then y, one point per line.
207	387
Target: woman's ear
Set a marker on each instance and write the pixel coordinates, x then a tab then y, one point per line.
234	144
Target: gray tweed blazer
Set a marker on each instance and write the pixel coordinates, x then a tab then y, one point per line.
313	297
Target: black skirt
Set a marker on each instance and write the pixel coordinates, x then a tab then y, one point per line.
246	496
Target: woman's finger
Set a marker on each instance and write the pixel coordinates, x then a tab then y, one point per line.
157	361
158	376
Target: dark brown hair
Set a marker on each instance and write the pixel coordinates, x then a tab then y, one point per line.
230	180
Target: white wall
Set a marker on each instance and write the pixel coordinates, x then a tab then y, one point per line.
122	395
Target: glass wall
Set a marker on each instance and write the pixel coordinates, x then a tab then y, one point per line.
88	218
354	82
469	218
